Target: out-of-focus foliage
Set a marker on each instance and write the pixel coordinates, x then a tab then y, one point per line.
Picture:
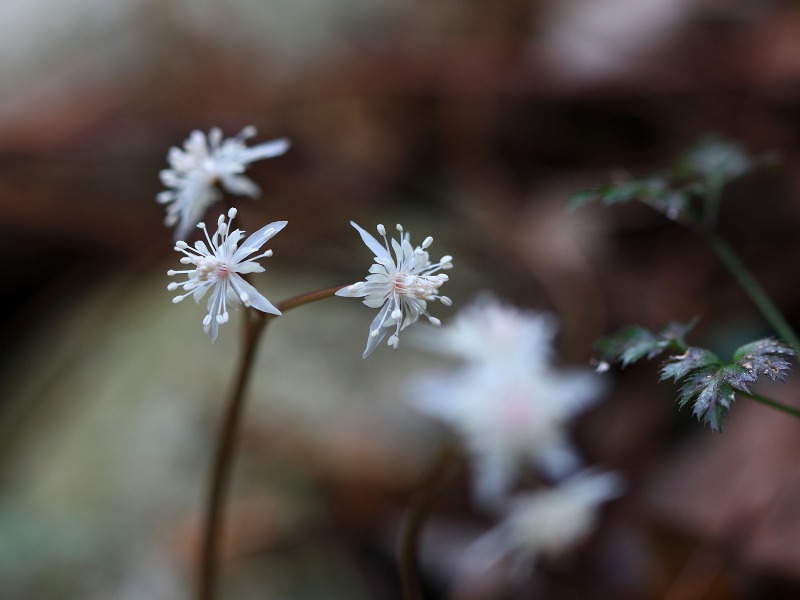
633	343
684	189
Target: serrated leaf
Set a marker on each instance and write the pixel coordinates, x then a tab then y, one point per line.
633	343
678	367
711	386
677	331
766	356
711	394
628	345
737	377
695	383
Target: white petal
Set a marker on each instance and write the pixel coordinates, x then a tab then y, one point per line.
166	197
377	248
352	291
258	239
376	325
215	137
375	301
257	301
200	291
194	200
213	307
557	459
249	267
213	329
266	150
240	185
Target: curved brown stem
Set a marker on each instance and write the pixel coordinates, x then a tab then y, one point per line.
441	475
254	325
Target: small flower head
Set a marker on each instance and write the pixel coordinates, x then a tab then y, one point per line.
509	415
205	160
400	285
549	522
219	266
507	401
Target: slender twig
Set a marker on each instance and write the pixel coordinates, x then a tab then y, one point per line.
789	410
440	477
753	289
254	324
302	299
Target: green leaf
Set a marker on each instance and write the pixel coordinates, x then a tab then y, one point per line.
711	386
766	356
631	344
628	345
716	158
617	192
675	331
678	367
711	393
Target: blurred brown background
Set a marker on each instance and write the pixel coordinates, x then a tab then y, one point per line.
468	121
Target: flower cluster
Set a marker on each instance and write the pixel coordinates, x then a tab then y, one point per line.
400	285
205	160
506	400
219	266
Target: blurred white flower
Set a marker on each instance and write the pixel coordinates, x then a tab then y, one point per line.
220	266
204	161
507	401
490	330
401	286
548	522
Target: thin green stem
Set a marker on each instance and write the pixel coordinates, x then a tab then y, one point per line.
789	410
753	289
254	325
441	475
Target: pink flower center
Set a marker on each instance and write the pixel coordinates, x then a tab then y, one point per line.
211	266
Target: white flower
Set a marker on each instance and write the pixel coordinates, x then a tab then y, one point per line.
507	401
548	522
401	286
490	330
220	265
202	163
